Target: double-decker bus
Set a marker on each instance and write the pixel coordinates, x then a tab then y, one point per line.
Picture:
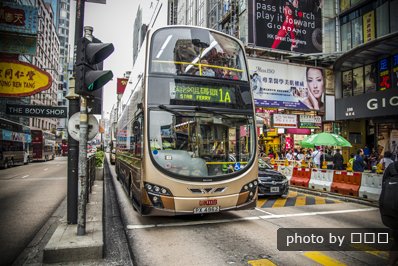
15	145
43	144
186	140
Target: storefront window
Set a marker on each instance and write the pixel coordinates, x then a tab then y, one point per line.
370	78
382	19
393	15
356	26
347	83
346	37
358	81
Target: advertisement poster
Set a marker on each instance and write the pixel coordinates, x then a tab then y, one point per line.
395	71
287	86
286	25
358	81
370	78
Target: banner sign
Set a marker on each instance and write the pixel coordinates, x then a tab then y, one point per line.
286	86
285	121
368	105
18	18
22	79
18	44
121	85
310	121
286	25
384	74
36	110
368	26
395	71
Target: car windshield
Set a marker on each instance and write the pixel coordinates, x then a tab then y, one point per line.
263	164
199	52
200	143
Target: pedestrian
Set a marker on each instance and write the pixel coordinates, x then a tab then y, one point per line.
388	206
359	163
386	160
316	157
394	151
338	160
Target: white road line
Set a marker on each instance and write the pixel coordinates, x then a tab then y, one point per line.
261	210
25	176
272	216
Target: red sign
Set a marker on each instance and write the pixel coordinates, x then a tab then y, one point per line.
208	202
121	85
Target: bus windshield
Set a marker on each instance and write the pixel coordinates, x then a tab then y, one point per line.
198	52
201	143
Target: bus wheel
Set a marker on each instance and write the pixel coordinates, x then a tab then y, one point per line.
11	163
6	164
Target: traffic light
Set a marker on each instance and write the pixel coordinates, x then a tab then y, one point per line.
89	74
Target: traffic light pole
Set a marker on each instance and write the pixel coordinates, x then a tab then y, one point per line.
81	219
73	152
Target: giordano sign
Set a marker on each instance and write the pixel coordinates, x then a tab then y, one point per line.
369	105
22	79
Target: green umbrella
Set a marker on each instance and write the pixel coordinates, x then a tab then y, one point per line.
325	139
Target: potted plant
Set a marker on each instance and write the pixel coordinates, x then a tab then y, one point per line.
99	165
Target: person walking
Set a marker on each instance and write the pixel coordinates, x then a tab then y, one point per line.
338	160
359	163
386	160
316	157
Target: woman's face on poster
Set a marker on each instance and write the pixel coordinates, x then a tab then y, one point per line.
315	82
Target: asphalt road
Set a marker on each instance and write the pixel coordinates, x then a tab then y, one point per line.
29	195
245	237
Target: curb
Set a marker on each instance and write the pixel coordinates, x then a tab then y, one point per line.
66	246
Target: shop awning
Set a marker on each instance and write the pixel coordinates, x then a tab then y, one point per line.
368	52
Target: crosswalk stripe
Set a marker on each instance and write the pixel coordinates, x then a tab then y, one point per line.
322	259
261	262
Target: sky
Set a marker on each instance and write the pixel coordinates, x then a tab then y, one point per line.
112	23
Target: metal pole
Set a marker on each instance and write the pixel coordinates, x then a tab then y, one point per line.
81	218
73	152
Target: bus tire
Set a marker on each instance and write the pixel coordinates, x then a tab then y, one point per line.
6	164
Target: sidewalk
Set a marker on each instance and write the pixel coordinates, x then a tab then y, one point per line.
105	242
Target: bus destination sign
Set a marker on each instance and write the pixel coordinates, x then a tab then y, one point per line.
202	93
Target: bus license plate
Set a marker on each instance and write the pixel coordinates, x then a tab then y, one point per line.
274	189
206	209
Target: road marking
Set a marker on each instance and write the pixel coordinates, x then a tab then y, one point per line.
372	251
261	262
322	259
300	201
320	200
45	169
250	218
262	210
293	199
280	202
25	176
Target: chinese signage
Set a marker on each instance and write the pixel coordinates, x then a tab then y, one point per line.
395	71
368	27
121	85
285	121
310	121
368	105
37	110
22	79
384	75
18	18
196	93
286	86
18	44
286	25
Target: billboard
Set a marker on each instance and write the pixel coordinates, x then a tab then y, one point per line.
289	25
281	85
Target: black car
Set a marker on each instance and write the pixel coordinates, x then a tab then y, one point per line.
271	182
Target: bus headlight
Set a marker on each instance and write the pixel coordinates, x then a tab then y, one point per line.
159	196
247	192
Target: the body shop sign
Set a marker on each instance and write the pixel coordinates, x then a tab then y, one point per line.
22	79
310	121
284	121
